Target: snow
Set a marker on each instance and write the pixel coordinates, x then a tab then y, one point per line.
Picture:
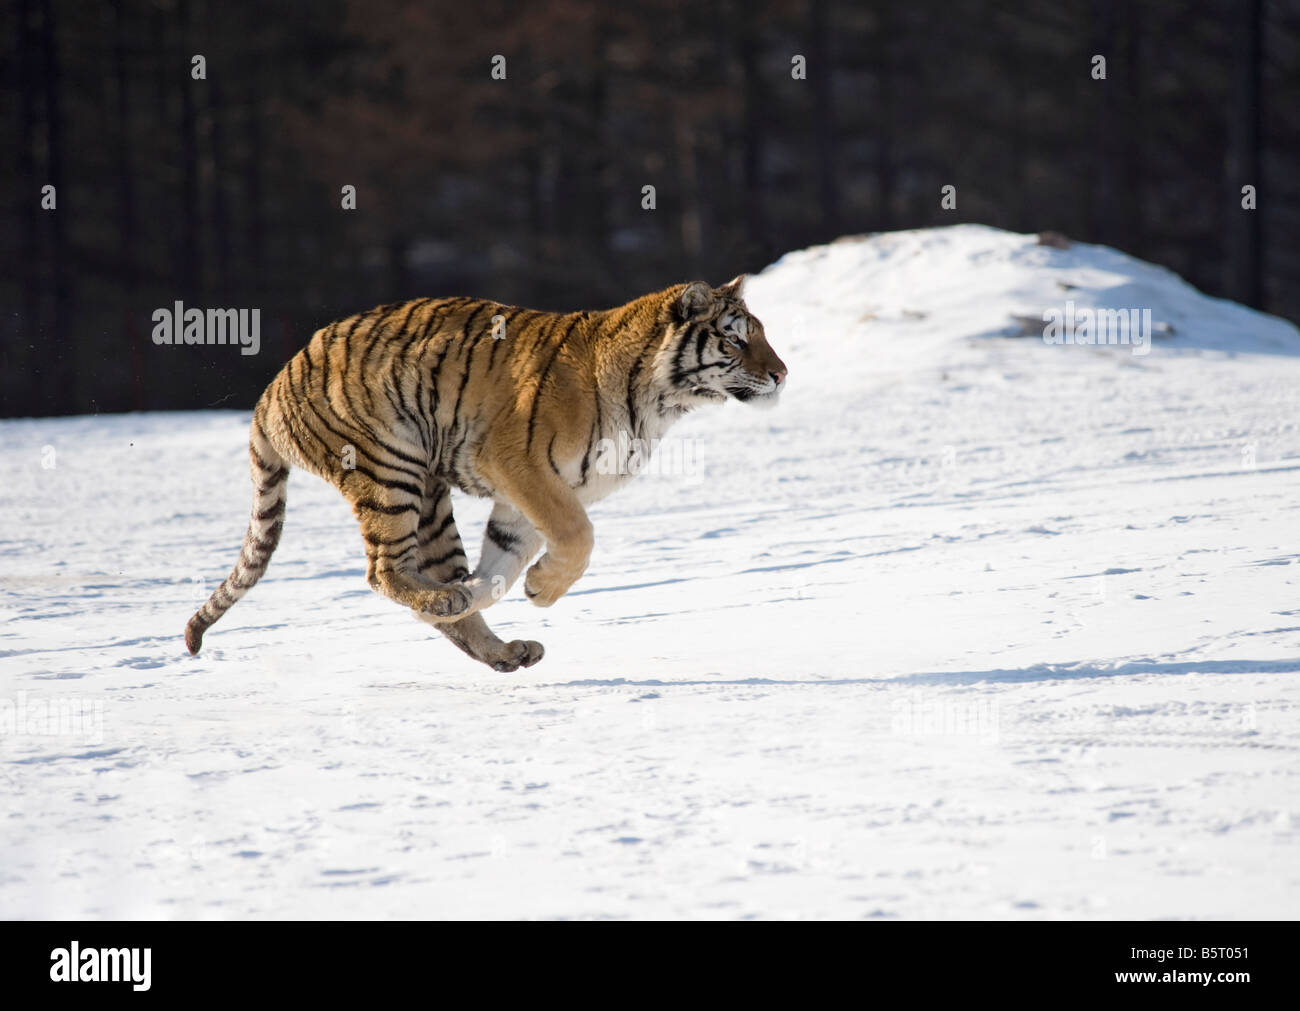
968	626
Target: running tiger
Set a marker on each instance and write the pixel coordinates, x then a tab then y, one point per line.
398	405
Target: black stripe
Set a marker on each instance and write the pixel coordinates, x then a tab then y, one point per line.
464	380
631	400
412	305
405	486
586	456
373	340
295	384
727	367
325	367
396	401
501	537
700	341
541	382
376	335
387	510
468	367
437	320
448	307
591	441
469	320
425	541
306	360
401	368
361	422
435	493
291	420
399	374
379	542
513	313
330	332
453	465
356	321
262	464
428	563
423	417
266	544
435	375
683	342
361	451
427	406
544	333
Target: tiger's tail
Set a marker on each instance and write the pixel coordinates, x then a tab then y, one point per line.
270	479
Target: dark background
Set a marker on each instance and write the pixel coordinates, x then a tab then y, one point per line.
225	192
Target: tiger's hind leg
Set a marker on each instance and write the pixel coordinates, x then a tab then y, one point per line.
441	556
390	517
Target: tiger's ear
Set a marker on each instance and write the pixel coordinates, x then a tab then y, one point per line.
736	286
695	300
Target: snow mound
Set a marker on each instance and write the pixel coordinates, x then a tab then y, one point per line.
897	293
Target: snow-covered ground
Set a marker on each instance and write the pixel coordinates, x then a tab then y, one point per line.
968	626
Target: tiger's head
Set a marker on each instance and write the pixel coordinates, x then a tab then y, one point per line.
719	350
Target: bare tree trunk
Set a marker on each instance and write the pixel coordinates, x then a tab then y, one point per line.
600	164
690	216
1245	238
28	193
822	72
127	240
1131	192
752	137
1100	101
189	252
688	173
60	333
220	213
253	174
399	273
886	182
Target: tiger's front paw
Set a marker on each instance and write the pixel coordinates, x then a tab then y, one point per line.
546	582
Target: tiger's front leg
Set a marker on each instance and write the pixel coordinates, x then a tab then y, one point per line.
563	564
509	543
553	509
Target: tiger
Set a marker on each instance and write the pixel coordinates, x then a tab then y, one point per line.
397	406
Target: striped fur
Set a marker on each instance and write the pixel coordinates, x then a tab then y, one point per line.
398	405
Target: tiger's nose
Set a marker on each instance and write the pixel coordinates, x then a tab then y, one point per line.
778	377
